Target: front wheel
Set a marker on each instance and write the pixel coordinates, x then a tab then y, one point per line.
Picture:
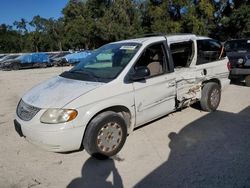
210	97
105	135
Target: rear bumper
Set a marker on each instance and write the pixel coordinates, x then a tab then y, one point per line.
239	71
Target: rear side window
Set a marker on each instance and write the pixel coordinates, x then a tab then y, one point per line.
182	53
209	51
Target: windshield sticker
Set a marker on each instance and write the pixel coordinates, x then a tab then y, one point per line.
128	48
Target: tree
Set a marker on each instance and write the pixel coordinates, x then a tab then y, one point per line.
199	19
77	25
21	26
36	36
120	21
156	19
54	31
237	25
91	23
9	39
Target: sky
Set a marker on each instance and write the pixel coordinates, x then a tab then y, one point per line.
14	10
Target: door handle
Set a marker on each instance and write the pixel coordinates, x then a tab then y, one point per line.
204	72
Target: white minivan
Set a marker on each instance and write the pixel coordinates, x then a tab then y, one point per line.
120	86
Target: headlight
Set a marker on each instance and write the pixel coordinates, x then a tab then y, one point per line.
54	116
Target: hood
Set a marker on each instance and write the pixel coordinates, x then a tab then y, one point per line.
57	92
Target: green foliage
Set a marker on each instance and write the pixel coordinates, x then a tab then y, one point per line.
78	25
160	21
54	34
205	9
120	21
21	26
9	39
192	23
90	23
238	24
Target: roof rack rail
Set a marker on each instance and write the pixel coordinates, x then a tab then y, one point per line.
164	34
154	34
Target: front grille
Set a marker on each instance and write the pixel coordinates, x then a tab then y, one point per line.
25	111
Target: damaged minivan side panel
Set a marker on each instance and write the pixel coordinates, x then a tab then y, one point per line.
190	75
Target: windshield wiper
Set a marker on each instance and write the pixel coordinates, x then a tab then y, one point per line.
91	74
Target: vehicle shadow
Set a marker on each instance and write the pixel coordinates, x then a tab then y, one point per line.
213	151
95	173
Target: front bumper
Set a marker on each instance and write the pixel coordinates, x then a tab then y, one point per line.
56	139
18	128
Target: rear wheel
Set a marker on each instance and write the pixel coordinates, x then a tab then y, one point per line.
210	97
247	80
105	135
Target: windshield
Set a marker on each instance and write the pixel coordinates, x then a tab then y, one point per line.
104	64
237	46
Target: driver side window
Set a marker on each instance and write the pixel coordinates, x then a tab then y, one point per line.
153	58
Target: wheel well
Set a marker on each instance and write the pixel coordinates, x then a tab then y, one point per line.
212	80
122	110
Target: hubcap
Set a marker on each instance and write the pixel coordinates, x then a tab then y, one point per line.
215	97
109	137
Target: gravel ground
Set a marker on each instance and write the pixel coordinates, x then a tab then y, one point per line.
188	148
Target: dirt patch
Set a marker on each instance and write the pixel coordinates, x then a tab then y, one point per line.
189	148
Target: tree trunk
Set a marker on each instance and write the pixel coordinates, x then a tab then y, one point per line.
60	45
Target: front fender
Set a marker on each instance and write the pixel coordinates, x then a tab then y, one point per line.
86	113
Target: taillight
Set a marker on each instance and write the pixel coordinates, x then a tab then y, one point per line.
229	65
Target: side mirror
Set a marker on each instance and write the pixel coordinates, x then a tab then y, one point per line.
140	73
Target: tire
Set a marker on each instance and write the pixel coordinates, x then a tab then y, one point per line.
105	135
247	80
210	97
15	66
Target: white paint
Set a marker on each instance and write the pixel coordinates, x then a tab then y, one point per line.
57	92
128	47
146	100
